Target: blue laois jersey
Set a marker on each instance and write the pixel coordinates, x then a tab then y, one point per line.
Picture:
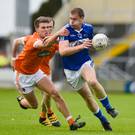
75	61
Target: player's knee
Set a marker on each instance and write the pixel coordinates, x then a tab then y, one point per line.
34	105
93	83
55	95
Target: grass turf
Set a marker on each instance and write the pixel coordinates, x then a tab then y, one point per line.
15	121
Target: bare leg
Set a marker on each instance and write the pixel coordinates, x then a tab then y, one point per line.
88	73
47	86
43	103
29	100
47	99
47	102
89	99
93	106
47	112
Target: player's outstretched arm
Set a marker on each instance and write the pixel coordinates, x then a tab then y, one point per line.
50	40
53	39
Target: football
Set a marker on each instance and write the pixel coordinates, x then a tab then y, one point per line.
100	41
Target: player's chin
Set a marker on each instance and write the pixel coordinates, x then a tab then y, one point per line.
44	35
72	24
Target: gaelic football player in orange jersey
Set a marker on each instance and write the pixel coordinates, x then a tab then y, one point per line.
46	102
47	116
28	73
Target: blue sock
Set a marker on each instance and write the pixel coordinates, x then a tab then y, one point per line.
100	116
105	102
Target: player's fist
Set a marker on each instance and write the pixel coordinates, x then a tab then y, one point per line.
87	43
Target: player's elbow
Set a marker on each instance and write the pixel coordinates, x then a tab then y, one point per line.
15	41
62	53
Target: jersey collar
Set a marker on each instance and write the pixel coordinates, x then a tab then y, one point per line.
78	31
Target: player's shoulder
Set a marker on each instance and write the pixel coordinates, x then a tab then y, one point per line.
87	26
68	26
33	38
26	38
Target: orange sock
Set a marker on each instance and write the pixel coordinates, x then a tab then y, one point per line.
70	120
42	114
49	111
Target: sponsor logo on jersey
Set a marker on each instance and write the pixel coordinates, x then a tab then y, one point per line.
78	42
44	53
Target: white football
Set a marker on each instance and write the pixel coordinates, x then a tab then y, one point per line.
100	41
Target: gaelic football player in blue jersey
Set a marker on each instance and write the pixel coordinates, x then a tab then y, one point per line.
79	66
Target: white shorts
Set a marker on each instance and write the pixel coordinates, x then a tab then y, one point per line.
74	78
25	83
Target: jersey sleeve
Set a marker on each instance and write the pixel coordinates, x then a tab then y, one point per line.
90	29
62	38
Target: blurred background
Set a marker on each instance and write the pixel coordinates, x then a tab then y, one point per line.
115	65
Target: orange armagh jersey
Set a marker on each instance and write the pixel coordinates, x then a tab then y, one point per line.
50	51
28	61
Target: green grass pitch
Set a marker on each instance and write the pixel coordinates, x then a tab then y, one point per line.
15	121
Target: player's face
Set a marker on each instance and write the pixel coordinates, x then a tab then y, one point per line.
75	20
45	29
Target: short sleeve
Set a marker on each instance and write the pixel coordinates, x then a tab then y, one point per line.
62	38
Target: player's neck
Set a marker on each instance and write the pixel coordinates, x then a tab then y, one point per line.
41	38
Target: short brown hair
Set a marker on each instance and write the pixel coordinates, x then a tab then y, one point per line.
43	19
78	11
